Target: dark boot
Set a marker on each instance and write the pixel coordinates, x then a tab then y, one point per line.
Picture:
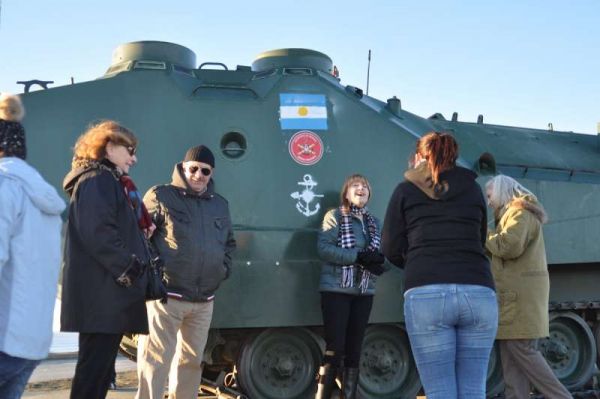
326	381
349	383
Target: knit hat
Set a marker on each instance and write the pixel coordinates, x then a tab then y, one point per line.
200	153
12	133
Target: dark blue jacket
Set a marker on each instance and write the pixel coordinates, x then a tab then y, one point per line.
102	235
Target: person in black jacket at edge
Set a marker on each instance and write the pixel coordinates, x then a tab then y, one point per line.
435	229
104	286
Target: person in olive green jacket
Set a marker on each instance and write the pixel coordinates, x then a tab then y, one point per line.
348	244
522	283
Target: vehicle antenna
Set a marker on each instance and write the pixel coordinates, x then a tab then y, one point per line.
368	70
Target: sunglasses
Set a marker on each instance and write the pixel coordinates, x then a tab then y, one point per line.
194	169
130	149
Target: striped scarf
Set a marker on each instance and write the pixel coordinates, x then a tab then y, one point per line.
347	239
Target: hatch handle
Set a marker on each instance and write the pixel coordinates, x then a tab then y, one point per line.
214	63
222	86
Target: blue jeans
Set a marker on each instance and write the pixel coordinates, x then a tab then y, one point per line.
14	374
451	328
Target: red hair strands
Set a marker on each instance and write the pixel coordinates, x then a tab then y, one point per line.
440	150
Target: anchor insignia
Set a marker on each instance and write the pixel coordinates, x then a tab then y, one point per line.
307	196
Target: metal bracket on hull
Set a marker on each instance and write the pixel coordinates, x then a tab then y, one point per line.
28	83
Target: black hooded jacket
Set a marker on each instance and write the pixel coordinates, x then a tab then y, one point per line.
102	235
437	234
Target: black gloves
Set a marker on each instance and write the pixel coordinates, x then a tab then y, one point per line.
132	272
375	268
372	261
367	256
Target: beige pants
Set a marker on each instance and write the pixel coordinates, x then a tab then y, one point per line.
175	325
523	365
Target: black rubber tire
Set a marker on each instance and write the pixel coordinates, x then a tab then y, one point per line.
570	350
279	363
387	367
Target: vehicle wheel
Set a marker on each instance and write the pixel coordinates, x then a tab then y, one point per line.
570	350
387	367
279	364
597	339
128	346
495	380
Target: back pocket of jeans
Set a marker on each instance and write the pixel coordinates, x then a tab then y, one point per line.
427	310
484	308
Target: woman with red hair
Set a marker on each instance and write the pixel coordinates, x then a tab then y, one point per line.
104	283
435	229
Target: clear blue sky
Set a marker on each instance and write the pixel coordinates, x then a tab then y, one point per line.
517	62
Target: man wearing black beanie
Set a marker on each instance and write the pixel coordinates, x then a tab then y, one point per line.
194	238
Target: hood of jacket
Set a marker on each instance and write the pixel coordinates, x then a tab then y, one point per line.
531	204
178	180
83	166
42	194
452	182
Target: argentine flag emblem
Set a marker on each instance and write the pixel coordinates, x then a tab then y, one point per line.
302	111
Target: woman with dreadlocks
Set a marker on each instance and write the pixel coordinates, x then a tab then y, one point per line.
435	229
348	244
104	285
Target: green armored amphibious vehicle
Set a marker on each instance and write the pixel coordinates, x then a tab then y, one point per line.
282	130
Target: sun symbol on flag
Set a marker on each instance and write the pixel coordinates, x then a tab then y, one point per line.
302	111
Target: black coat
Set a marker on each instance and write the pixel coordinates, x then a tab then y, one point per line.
102	234
438	236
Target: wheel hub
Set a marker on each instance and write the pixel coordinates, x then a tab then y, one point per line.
557	351
382	362
284	366
380	359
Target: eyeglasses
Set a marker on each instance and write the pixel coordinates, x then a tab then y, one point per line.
130	149
194	169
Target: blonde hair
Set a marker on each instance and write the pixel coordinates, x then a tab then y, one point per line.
11	108
504	190
346	186
92	143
